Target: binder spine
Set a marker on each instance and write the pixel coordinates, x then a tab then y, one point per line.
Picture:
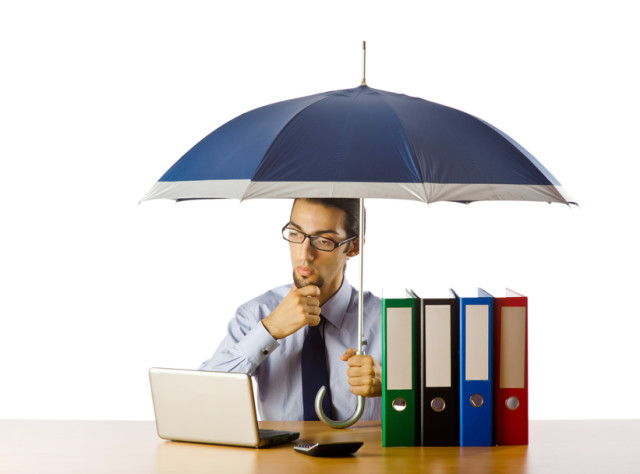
439	381
511	406
476	371
399	384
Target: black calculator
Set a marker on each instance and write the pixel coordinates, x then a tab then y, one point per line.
331	449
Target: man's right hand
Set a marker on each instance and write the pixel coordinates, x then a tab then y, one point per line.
299	308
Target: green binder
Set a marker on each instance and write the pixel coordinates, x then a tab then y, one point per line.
400	398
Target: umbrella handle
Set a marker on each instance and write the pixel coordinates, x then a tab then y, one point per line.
361	342
338	424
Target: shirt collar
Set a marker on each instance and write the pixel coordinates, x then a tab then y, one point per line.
335	309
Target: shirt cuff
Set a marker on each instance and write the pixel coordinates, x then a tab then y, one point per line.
258	344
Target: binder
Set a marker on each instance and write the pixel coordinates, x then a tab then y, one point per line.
476	370
438	367
511	384
399	394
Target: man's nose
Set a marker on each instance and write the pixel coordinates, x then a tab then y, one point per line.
307	251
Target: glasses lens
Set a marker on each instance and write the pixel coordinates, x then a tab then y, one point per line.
292	235
323	244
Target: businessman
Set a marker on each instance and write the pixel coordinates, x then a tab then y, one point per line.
300	336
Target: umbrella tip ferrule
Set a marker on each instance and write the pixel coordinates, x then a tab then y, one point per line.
364	64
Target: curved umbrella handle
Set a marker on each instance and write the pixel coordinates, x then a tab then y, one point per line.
338	424
361	342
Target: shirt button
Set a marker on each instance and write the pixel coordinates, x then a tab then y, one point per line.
265	351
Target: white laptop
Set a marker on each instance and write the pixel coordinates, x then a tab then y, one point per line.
209	407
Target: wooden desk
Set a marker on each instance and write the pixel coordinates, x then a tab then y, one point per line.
94	447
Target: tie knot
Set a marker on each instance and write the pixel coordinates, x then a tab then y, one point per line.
318	327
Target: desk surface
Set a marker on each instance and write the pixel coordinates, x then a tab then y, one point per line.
134	447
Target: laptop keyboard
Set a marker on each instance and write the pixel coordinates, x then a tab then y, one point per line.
264	433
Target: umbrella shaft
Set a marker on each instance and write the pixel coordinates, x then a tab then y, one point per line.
361	340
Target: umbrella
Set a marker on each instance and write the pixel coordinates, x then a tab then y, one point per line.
358	143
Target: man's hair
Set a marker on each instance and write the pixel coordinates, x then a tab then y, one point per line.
351	207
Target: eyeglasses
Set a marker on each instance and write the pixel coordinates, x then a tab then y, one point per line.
317	241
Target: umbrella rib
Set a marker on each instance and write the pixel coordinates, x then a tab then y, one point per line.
541	168
412	154
554	184
280	132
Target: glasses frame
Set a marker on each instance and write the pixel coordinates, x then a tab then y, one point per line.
313	237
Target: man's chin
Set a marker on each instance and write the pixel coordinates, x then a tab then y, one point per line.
301	282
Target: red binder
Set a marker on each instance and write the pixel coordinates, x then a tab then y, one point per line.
511	400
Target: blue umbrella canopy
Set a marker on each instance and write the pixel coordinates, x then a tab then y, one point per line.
359	143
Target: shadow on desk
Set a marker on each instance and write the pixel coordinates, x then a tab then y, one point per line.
176	457
97	447
372	458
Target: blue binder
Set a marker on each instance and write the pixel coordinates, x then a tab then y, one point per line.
476	370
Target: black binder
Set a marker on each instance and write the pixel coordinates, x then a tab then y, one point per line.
439	368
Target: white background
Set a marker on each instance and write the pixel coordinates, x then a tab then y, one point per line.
98	99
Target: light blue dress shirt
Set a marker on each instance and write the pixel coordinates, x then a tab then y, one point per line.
249	348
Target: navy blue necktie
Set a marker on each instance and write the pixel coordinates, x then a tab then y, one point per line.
314	372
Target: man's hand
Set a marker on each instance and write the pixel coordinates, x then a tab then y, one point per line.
299	308
364	372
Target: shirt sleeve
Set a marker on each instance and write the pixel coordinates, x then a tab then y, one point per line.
245	346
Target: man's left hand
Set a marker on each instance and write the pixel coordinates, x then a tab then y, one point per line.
364	372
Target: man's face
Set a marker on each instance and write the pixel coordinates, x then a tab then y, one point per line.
310	265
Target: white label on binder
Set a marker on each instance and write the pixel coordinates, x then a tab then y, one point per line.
513	333
437	337
399	349
477	342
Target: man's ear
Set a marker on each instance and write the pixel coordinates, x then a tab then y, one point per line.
354	248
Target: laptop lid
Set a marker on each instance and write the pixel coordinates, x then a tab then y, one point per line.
206	407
